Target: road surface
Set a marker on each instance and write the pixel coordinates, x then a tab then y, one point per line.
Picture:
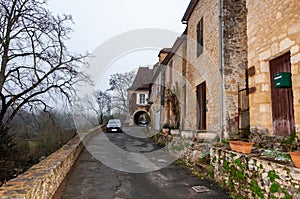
130	166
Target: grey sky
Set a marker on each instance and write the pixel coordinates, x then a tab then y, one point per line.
97	21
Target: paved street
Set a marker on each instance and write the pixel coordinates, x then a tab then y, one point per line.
129	165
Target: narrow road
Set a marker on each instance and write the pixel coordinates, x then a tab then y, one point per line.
128	165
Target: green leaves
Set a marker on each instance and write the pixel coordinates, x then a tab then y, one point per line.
275	187
273	176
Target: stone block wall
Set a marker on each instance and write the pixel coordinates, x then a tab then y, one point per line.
250	176
273	29
42	180
206	66
187	145
234	60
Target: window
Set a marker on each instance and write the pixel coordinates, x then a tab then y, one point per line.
157	86
142	99
171	71
200	37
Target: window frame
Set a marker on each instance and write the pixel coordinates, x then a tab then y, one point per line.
142	100
200	37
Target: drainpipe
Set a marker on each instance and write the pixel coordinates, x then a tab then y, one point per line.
221	67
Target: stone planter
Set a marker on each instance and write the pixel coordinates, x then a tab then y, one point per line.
295	156
240	146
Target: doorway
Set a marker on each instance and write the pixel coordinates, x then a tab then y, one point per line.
282	99
201	106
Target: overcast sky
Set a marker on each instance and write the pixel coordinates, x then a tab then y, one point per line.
97	21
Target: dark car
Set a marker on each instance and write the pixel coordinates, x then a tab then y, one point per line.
114	125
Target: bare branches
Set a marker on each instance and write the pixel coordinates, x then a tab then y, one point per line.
35	63
119	83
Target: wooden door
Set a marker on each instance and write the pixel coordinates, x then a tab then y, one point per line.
201	106
282	99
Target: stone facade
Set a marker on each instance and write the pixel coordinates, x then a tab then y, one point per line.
273	29
138	95
205	68
253	34
174	84
156	95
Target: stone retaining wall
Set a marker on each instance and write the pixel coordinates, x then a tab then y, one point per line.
187	145
42	180
250	176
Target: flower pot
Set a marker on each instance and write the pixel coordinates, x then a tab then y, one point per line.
240	146
166	131
295	156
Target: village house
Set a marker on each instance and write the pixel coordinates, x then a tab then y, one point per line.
248	77
273	29
167	95
191	69
138	96
245	77
212	60
156	92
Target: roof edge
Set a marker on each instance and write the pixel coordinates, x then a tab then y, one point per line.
189	11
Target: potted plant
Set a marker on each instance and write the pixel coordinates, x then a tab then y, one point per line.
241	146
295	156
166	129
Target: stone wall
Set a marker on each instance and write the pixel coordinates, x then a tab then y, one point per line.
250	176
174	82
273	29
42	180
206	66
234	60
155	107
186	145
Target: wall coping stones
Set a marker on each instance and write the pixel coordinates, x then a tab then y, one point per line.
43	179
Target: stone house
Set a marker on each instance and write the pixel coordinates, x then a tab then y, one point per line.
138	95
205	53
191	68
259	42
273	29
168	84
156	91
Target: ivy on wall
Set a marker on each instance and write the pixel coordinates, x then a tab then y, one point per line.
245	177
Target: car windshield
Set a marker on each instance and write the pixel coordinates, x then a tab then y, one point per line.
114	122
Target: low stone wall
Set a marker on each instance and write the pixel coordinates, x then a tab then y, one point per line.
187	145
250	176
42	180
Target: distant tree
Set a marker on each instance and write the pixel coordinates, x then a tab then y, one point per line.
103	100
119	83
35	63
38	134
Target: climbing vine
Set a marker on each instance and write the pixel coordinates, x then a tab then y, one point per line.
243	177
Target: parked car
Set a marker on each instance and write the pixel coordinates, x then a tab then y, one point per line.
143	122
114	125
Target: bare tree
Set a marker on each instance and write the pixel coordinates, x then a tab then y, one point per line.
35	63
103	100
119	83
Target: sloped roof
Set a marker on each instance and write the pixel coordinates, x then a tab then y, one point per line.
142	79
189	11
